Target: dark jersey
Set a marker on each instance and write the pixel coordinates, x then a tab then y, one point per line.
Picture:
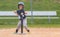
19	13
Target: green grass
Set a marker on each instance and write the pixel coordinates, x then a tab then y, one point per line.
33	26
12	23
38	5
7	26
45	26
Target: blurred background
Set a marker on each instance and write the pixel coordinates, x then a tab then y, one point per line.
37	5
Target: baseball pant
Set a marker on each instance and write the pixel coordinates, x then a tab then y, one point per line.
24	24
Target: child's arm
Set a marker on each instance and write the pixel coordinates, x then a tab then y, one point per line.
15	12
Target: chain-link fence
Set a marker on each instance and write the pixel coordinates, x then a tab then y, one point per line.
46	5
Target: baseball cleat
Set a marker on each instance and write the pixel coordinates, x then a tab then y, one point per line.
28	30
16	31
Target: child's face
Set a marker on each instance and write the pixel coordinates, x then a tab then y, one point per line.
21	7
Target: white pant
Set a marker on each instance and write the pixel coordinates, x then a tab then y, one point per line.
24	23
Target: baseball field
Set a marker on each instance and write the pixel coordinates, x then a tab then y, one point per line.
39	27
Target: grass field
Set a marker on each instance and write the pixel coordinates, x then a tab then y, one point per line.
12	23
33	26
8	5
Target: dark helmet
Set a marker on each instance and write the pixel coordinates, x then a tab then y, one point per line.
21	3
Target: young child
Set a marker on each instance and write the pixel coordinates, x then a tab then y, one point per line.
20	12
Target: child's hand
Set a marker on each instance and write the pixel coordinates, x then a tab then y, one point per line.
25	12
21	13
15	12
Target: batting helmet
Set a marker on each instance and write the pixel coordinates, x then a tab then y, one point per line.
22	3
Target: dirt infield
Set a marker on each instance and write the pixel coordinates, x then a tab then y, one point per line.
34	32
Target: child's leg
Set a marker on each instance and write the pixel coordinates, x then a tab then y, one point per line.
25	24
18	26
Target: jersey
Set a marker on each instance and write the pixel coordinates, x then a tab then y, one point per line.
19	13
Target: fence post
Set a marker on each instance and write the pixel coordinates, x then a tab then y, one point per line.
31	11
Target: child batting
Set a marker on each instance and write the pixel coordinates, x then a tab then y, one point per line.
20	12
